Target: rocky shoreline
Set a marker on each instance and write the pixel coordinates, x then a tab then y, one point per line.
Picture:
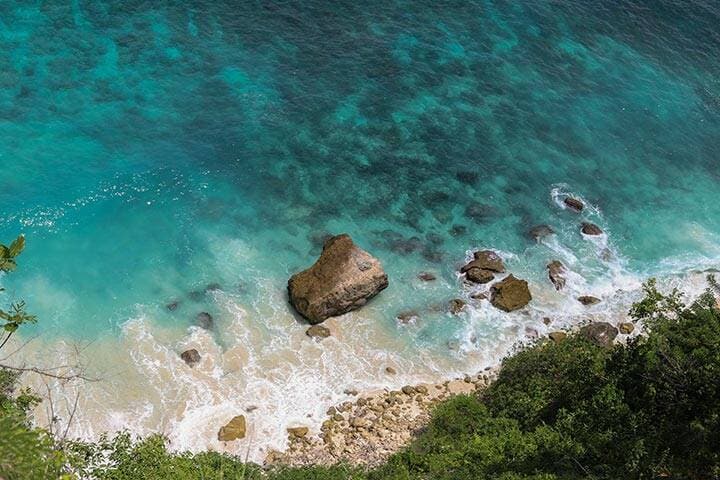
377	424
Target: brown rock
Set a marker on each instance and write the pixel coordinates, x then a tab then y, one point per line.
456	306
344	278
547	320
318	331
574	204
600	333
557	337
234	430
485	260
556	273
191	357
298	432
510	294
408	390
479	275
588	300
626	328
390	370
591	229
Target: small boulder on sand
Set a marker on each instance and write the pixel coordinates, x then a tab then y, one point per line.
191	357
318	332
234	430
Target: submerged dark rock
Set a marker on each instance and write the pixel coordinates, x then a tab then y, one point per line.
172	306
204	320
427	276
479	212
539	232
344	278
510	294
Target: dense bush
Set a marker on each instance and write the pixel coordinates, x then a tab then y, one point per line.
558	411
647	409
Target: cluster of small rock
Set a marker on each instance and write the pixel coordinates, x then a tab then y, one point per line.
371	428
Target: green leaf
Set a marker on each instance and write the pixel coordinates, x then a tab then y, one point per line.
10	327
7	265
17	246
4	251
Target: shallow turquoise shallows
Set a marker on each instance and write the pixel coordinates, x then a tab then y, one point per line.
198	152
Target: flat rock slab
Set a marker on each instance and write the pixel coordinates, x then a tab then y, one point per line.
343	279
234	430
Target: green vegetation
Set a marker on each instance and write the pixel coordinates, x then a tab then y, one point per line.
558	411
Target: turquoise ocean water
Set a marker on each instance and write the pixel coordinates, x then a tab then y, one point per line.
149	152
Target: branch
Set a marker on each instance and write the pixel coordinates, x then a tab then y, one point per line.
48	373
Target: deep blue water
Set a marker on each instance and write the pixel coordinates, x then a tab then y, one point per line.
149	149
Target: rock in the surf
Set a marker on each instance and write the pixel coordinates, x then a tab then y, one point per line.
344	278
479	275
234	430
191	357
539	232
574	204
600	333
591	229
556	273
318	331
485	260
456	306
588	300
626	328
510	294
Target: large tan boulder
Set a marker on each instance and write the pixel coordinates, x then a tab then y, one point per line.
344	278
234	430
510	294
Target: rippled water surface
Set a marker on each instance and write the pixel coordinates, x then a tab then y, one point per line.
149	152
